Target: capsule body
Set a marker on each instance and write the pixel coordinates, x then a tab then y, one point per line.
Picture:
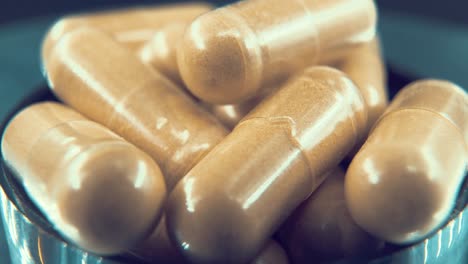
229	53
264	168
408	173
99	191
100	78
160	51
231	114
364	65
321	229
131	26
159	249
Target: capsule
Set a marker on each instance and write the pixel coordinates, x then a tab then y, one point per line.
99	191
253	179
160	51
364	65
321	229
130	26
159	249
229	53
106	82
231	114
404	181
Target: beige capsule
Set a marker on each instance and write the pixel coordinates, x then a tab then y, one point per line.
234	199
404	181
322	230
231	114
229	53
159	249
106	82
160	51
364	65
98	191
130	26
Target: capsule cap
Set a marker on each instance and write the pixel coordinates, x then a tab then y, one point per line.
438	96
220	66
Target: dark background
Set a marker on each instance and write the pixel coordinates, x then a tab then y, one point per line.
453	10
422	38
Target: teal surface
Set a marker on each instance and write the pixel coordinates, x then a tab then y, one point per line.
426	47
19	59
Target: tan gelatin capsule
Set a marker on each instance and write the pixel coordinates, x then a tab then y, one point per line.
231	114
130	26
234	199
404	181
229	53
364	65
159	249
99	191
322	230
108	83
160	51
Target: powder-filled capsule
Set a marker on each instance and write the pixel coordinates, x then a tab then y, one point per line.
321	229
234	199
160	51
106	82
229	53
159	249
404	181
130	26
230	115
99	191
364	65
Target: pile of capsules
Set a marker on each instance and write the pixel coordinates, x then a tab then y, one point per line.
193	135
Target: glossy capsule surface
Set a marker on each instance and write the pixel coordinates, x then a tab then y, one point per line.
160	51
321	229
229	53
159	249
234	199
404	181
130	26
94	74
365	66
99	191
231	114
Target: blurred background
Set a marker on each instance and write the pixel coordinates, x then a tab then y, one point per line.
422	38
